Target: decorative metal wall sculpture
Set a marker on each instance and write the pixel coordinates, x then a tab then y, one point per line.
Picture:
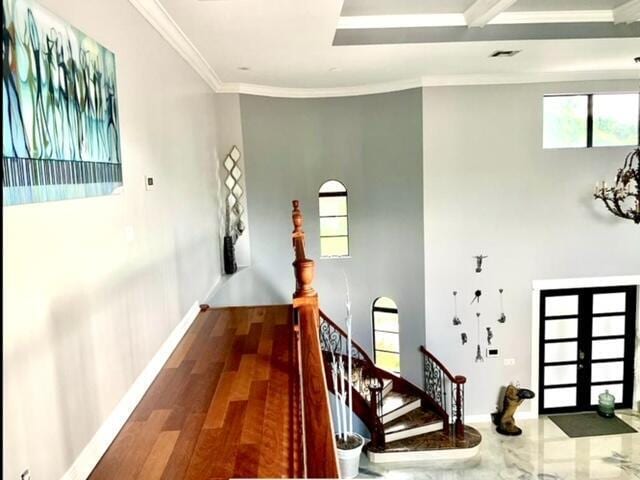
456	319
59	111
478	351
502	318
463	337
623	198
489	335
479	259
476	297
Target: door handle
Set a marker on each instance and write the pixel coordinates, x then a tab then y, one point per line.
580	366
581	355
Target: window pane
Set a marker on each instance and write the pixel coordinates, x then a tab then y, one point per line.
614	389
609	302
565	121
331	206
332	186
615	119
560	375
607	372
561	352
334	247
385	321
561	305
603	326
561	329
559	397
385	302
332	226
602	349
387	341
388	361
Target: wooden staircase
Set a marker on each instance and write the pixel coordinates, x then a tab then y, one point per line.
405	422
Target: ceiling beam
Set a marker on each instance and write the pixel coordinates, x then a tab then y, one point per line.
483	11
627	12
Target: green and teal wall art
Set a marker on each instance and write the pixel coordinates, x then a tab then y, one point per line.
60	134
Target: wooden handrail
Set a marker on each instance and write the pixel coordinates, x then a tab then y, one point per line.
317	435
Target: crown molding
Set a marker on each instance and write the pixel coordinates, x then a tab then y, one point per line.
160	19
627	12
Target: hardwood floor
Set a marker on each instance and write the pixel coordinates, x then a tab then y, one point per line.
220	407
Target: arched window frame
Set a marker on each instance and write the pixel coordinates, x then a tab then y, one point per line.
328	214
376	308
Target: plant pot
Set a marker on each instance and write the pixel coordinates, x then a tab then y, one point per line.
229	254
349	460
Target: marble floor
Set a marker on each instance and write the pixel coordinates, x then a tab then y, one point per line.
543	452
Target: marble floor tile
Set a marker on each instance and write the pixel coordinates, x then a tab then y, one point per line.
542	452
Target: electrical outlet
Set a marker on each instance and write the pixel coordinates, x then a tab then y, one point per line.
509	362
149	183
25	475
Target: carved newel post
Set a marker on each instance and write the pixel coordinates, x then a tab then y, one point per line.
303	267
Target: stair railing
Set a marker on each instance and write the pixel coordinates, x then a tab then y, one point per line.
319	456
366	381
446	389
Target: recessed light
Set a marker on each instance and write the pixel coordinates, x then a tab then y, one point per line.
504	53
334	69
244	69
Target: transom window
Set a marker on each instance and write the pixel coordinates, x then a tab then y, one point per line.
386	334
591	120
334	222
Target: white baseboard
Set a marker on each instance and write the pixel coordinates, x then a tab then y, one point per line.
486	418
91	454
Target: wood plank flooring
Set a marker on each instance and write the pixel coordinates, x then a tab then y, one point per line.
221	406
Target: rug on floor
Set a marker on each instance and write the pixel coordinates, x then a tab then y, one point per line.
590	425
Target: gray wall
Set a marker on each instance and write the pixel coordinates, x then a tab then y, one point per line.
93	287
373	144
490	188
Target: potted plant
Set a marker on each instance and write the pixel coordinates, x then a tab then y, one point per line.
348	442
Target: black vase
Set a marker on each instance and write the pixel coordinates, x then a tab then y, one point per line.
229	253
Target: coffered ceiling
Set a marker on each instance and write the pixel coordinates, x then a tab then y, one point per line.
307	48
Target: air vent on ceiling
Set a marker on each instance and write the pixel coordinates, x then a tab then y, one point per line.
505	53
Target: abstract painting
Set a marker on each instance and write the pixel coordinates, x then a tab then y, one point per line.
60	134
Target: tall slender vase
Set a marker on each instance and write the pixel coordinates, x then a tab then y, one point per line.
229	253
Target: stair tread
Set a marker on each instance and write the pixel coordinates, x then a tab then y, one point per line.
437	440
394	400
413	419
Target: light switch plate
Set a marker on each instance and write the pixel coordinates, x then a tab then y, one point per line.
149	183
509	362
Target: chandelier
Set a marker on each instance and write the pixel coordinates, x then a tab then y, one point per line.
623	198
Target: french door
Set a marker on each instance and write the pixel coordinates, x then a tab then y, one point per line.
587	344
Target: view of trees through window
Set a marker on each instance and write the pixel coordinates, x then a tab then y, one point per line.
613	120
386	334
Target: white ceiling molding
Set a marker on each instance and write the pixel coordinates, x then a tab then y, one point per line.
483	11
553	16
627	12
458	19
160	19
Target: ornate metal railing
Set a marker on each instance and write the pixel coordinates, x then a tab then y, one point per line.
367	383
445	389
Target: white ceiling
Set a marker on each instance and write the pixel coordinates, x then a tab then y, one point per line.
288	47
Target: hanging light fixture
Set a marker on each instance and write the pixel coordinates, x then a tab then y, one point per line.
623	198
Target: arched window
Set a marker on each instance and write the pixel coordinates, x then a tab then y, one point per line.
386	334
334	225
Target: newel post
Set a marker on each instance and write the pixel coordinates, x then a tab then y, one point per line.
303	267
459	422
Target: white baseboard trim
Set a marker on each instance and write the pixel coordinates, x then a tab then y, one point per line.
486	418
91	454
214	288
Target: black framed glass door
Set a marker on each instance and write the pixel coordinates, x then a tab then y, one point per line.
587	345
